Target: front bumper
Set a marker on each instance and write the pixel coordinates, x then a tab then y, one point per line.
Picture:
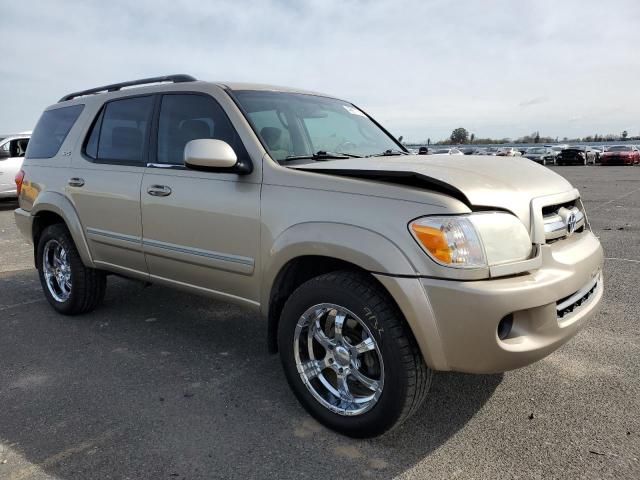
616	160
459	321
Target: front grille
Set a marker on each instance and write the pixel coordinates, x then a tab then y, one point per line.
563	220
579	299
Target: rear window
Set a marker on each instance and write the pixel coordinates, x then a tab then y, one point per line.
119	134
51	130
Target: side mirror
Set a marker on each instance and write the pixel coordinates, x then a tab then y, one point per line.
209	154
5	153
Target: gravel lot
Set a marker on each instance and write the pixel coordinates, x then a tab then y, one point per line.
161	384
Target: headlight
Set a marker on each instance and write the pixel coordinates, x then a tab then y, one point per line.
473	241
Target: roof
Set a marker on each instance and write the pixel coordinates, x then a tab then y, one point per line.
6	136
239	86
180	79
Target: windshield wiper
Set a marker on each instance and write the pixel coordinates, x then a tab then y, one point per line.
389	153
322	155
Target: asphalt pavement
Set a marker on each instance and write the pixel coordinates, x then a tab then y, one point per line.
162	384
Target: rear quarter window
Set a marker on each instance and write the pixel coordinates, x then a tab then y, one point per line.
51	130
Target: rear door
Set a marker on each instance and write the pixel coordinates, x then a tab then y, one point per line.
105	183
200	229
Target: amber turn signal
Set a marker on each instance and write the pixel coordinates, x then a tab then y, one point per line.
434	240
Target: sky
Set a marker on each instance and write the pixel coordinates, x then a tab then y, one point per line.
499	68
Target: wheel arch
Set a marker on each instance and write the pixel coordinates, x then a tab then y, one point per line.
310	249
51	208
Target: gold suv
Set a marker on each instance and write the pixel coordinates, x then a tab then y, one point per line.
371	266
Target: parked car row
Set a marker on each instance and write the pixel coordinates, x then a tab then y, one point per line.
551	154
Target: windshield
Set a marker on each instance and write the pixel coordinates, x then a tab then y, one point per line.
537	150
442	150
619	148
295	125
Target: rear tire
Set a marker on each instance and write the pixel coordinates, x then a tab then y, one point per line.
392	367
69	286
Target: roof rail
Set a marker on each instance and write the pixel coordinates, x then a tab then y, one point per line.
114	87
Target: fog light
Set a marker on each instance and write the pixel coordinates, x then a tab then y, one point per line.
505	326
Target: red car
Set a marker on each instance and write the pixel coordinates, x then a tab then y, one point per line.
620	155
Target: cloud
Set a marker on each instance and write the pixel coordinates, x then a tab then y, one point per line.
421	68
534	101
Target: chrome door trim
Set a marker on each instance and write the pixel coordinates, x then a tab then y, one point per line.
130	242
166	166
198	256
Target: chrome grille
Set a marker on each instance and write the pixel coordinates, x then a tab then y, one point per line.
561	221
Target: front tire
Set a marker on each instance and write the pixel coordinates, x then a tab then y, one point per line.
69	286
349	356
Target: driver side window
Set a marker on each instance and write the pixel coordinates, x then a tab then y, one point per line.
186	117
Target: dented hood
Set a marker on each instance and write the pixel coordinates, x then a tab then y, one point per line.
508	183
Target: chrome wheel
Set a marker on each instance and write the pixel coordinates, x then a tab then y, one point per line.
57	270
338	359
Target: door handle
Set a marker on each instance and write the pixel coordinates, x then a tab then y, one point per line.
76	182
159	190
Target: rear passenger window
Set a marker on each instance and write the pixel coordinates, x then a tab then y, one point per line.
186	117
120	131
51	130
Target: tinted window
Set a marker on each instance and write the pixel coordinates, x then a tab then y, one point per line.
51	130
18	147
187	117
91	147
122	130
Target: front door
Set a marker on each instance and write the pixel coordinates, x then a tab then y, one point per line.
200	229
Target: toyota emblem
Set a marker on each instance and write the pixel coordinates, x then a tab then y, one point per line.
571	223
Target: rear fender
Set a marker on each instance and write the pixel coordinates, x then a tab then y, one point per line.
61	206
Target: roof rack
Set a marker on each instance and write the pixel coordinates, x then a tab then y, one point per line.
117	86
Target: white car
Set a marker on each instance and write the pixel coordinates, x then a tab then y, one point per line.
12	150
447	151
508	152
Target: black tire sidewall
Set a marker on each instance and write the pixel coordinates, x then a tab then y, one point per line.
391	403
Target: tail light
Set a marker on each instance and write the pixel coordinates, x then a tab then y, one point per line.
19	179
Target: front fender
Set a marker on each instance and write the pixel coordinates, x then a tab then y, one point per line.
365	248
370	251
61	206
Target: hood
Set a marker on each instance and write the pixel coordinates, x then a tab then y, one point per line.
508	183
